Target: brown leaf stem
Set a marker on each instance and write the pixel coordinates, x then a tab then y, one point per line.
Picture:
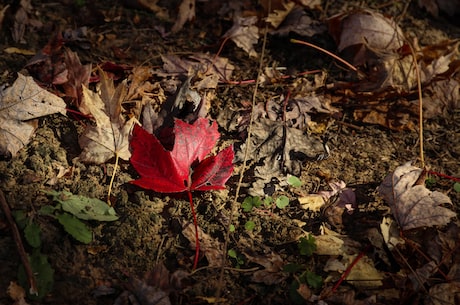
197	240
19	245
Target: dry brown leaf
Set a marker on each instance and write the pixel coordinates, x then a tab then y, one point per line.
298	21
19	105
414	206
77	75
109	137
244	33
277	16
17	293
160	12
210	246
2	14
186	13
209	69
273	272
364	30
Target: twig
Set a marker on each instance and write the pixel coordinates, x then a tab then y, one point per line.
420	103
17	239
346	63
245	160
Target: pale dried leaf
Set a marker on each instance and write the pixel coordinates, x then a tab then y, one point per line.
19	105
277	16
414	206
244	33
364	273
186	13
110	135
372	29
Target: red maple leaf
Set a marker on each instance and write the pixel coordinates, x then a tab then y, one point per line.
184	168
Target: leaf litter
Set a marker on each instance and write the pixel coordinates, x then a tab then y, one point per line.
270	249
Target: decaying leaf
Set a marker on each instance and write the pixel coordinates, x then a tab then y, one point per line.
414	206
154	288
273	272
19	105
109	137
207	69
280	150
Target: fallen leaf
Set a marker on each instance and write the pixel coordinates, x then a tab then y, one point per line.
109	137
273	272
16	293
207	69
210	246
414	206
185	167
19	105
77	75
244	33
299	22
364	30
279	150
277	16
186	13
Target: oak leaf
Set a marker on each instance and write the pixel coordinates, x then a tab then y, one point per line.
20	104
413	205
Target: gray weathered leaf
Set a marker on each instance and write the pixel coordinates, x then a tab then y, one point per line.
19	105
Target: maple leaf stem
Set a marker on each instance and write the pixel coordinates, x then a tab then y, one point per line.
195	223
111	180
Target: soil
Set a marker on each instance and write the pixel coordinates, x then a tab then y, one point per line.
149	228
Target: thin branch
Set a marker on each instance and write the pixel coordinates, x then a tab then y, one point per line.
17	239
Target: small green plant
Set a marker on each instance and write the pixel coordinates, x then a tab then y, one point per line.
282	202
430	182
302	275
251	202
457	187
44	273
294	181
307	245
239	259
68	211
249	225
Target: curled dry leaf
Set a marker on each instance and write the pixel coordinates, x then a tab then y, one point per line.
365	30
19	105
109	137
414	206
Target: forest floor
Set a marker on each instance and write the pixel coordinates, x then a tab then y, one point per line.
148	252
